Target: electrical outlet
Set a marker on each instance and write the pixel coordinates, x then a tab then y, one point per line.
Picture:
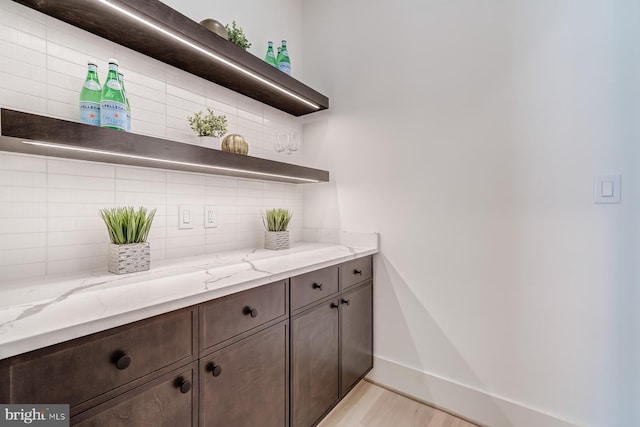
185	216
210	216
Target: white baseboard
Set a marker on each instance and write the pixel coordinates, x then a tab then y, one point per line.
469	403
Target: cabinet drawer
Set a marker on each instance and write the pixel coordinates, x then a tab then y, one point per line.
83	369
311	287
356	271
168	401
231	316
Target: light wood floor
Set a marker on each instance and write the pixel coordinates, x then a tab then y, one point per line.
371	406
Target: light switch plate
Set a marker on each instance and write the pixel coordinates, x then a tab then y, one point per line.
210	216
606	189
185	216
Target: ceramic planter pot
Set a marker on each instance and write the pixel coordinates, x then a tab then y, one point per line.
276	240
129	258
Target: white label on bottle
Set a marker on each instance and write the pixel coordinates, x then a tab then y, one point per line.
113	115
114	84
284	67
92	85
90	113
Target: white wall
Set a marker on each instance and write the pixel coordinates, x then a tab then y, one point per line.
49	207
468	134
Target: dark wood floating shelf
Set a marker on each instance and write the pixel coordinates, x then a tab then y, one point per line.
46	136
107	22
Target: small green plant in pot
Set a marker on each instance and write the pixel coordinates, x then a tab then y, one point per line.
236	36
208	126
276	222
128	230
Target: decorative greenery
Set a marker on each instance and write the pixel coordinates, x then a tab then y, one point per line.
209	125
126	225
276	219
237	37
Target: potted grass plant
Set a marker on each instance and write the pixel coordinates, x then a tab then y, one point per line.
276	222
209	127
128	230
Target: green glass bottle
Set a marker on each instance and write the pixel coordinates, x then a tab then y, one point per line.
284	62
90	97
270	57
126	103
279	56
113	111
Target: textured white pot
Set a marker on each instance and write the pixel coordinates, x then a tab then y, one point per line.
209	142
129	258
276	240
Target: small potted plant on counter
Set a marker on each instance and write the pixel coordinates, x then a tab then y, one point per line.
128	230
276	222
208	127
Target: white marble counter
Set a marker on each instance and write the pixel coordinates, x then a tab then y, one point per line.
38	313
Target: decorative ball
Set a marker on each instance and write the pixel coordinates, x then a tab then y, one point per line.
216	27
235	144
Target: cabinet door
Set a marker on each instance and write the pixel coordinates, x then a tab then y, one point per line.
314	363
245	384
356	348
168	401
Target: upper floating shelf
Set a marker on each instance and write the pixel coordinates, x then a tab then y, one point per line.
156	30
46	136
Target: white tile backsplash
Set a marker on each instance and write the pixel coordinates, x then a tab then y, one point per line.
49	206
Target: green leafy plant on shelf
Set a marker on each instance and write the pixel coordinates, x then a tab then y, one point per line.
209	124
276	219
127	225
236	36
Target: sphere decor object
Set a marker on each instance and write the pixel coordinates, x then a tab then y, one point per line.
234	143
215	27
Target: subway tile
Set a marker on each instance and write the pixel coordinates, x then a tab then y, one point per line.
78	210
183	98
77	251
78	265
75	223
22	256
20	68
221	108
22	271
64	96
23	179
80	237
196	179
24	85
251	184
11	50
22	241
65	81
140	174
23	225
80	168
22	194
135	186
57	195
145	128
22	162
220	181
151	94
81	183
185	251
23	210
184	84
63	110
148	200
21	101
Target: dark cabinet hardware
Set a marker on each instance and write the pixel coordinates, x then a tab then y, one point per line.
318	286
335	305
253	312
345	301
122	361
356	271
216	370
185	386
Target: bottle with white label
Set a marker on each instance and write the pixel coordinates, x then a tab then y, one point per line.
126	102
113	110
284	63
90	97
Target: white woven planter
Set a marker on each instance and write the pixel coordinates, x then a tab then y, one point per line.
129	258
276	240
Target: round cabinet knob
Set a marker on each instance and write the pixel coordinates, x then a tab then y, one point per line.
356	271
253	312
318	286
185	386
335	305
345	301
216	370
123	362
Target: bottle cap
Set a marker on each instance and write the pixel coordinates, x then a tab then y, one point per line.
92	62
113	61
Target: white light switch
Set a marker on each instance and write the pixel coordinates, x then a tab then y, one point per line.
210	216
607	189
185	216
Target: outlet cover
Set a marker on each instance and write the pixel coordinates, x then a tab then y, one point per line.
185	216
606	189
210	216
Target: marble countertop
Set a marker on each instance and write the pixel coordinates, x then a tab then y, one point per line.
50	310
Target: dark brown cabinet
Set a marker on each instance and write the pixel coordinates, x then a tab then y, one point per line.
332	341
246	383
314	363
168	401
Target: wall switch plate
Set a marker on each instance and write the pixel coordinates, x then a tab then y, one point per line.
185	216
210	216
606	189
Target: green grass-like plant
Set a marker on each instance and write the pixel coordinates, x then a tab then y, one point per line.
276	219
127	225
209	124
237	36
